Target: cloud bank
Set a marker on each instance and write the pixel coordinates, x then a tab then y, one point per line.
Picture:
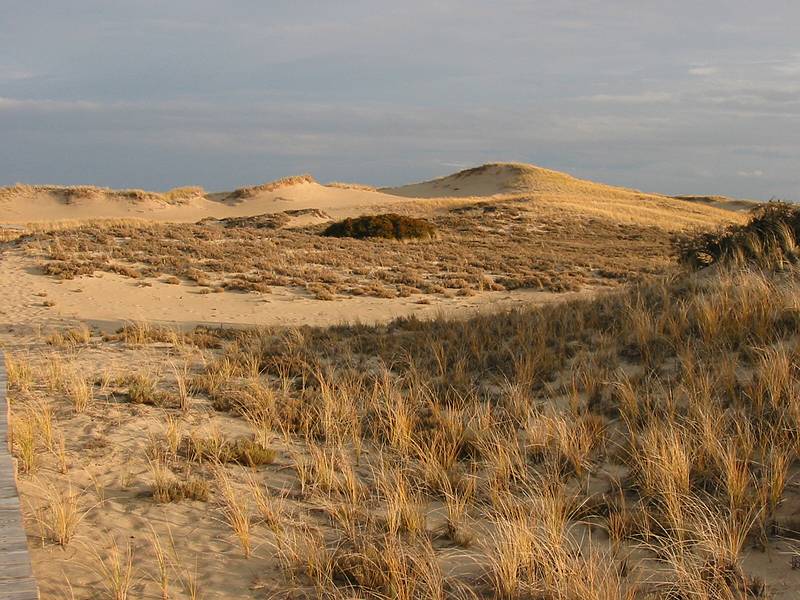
678	99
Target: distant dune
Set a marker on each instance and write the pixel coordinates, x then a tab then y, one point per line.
503	179
23	204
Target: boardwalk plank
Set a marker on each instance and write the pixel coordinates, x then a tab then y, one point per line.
16	575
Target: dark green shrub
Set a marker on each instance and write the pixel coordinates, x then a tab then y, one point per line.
389	226
769	238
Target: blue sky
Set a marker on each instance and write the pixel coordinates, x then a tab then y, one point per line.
678	97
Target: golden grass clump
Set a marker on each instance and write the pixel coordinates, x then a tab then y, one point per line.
168	488
115	568
183	194
59	513
71	337
24	438
215	448
80	392
18	372
351	186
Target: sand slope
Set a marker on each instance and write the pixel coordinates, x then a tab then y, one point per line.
108	464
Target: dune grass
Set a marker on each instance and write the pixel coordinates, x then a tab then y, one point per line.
640	444
478	247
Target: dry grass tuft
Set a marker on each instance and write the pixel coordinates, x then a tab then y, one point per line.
235	511
169	488
59	513
80	392
70	338
18	372
115	569
249	192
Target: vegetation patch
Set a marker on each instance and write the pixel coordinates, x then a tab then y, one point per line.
242	451
389	226
266	220
70	194
485	246
167	489
768	239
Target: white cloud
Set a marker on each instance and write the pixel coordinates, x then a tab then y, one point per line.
788	66
703	71
48	105
643	98
756	173
10	73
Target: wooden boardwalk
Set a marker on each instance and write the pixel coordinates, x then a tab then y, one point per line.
16	576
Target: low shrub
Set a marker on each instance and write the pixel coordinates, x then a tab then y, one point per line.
388	226
241	451
167	488
770	237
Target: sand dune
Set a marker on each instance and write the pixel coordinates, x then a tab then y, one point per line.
503	179
37	204
584	217
23	204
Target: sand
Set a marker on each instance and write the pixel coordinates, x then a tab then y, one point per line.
107	301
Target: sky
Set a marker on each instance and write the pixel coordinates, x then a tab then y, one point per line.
677	97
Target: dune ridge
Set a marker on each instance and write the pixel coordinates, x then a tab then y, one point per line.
23	204
270	186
